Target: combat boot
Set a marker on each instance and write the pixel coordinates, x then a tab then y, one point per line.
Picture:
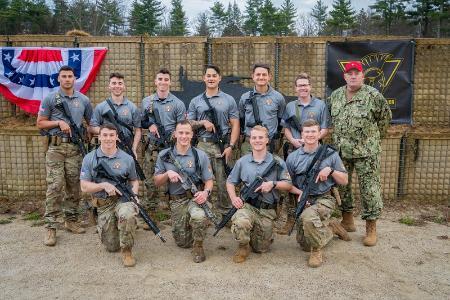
50	237
73	227
241	253
338	230
197	252
127	257
347	221
371	233
287	226
315	260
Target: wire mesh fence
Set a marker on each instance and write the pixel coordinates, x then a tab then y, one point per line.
415	160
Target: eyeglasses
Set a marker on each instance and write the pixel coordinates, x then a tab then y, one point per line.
303	85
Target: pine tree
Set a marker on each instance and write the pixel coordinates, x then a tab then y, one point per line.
202	25
288	14
178	20
423	12
38	17
270	19
342	16
218	18
388	11
82	14
319	13
233	21
61	22
252	23
145	16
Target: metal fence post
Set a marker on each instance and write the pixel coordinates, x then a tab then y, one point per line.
277	64
208	51
142	66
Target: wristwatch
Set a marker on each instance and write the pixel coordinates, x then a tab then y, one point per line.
208	191
274	182
232	146
332	170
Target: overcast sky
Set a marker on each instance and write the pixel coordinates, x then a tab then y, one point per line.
194	7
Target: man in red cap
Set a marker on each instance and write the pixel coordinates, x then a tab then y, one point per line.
360	116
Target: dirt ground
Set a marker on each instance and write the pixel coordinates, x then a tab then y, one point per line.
409	262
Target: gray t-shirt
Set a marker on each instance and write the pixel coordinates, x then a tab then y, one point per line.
225	107
188	162
316	110
127	112
171	111
247	169
298	162
121	164
271	107
79	107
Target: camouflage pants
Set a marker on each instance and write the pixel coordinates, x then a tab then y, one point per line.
156	194
116	224
313	230
220	201
188	222
63	163
368	171
254	226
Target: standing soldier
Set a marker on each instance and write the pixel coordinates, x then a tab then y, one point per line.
177	166
316	229
116	219
125	113
252	224
297	112
261	106
63	157
360	116
216	117
161	112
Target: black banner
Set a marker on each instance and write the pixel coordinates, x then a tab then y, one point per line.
388	66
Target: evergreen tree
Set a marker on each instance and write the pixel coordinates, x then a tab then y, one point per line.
202	25
145	16
319	13
288	14
218	18
38	17
15	17
342	16
424	11
252	23
270	19
388	11
233	21
178	20
82	15
61	22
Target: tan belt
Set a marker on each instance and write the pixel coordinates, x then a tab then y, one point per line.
99	202
57	140
188	194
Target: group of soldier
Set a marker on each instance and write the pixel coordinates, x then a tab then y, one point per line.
186	151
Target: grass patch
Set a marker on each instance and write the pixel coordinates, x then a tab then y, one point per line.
439	220
161	216
5	221
33	216
407	220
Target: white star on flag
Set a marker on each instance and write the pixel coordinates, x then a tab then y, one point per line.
20	79
7	57
31	81
11	73
51	82
75	57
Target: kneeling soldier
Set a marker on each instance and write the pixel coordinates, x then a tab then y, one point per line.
262	174
185	169
116	219
316	228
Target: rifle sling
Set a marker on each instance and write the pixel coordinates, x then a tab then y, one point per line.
116	116
255	109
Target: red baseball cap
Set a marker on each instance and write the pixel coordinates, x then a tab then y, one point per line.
353	65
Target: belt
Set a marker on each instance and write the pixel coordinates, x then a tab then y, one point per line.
188	194
55	140
314	197
262	205
206	140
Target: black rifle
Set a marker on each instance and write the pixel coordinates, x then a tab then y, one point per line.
255	108
218	137
190	183
248	194
104	171
164	136
76	132
309	180
125	144
295	123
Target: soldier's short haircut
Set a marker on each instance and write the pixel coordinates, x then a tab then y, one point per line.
184	122
310	123
210	66
116	75
260	65
260	128
107	125
302	76
66	68
164	71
